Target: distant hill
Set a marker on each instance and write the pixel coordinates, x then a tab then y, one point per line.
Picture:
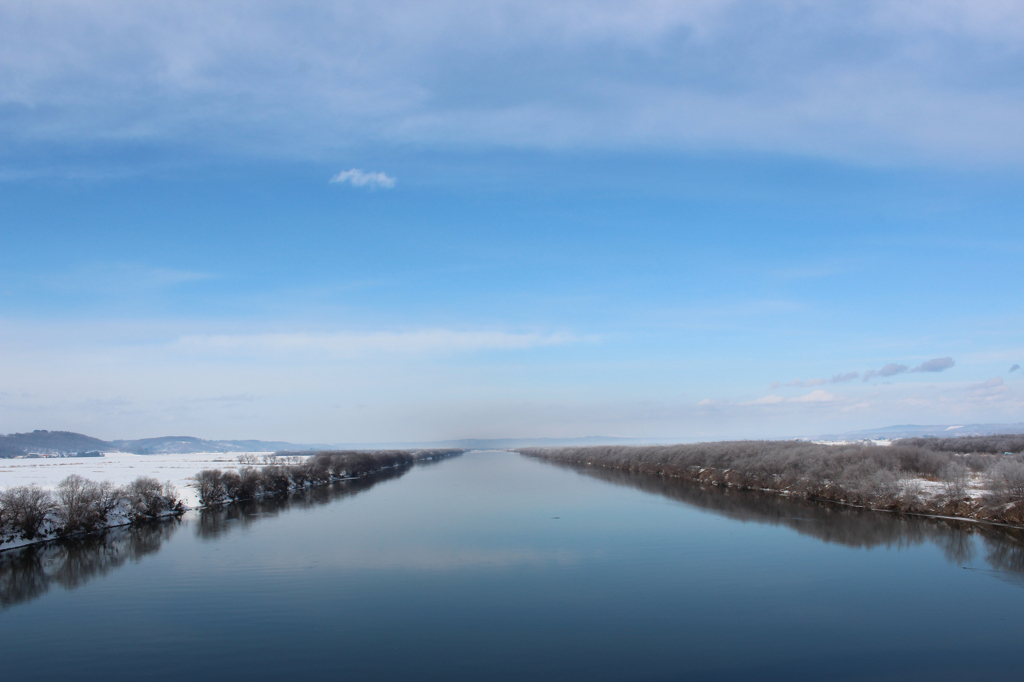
182	444
48	443
66	442
503	443
934	431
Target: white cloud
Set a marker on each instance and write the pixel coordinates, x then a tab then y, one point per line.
358	178
868	80
818	396
360	343
935	365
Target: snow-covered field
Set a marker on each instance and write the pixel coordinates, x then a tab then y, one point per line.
120	468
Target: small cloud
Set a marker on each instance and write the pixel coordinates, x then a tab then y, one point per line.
355	343
1014	369
935	365
237	398
769	400
818	396
166	277
892	369
799	383
988	391
358	178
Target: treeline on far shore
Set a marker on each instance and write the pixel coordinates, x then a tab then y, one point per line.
249	482
882	477
30	513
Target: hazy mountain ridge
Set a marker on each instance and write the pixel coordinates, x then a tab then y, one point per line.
67	442
48	443
928	431
186	444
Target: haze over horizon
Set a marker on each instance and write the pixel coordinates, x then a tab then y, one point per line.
398	221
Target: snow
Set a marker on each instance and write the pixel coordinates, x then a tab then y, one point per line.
120	468
930	490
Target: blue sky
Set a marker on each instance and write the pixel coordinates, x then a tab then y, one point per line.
676	220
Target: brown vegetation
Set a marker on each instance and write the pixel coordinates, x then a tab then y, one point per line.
287	471
30	513
867	475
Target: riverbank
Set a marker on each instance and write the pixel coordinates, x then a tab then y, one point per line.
980	487
296	471
44	508
121	468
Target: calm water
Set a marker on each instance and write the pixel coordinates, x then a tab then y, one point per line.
491	566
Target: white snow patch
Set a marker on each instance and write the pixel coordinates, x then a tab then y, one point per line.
120	468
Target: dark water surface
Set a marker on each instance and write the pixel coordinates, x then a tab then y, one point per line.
492	566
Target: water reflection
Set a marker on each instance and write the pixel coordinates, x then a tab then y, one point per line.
214	523
30	572
829	522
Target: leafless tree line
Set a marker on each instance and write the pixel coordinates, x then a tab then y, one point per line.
287	471
219	520
79	505
29	572
993	445
828	522
876	476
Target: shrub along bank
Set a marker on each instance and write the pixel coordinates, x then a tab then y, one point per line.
218	487
32	514
880	477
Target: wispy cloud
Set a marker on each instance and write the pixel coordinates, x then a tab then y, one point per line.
358	343
840	378
358	178
769	400
892	369
869	80
237	398
1014	369
818	396
935	365
992	390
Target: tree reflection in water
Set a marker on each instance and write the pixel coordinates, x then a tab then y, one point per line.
220	520
29	572
831	522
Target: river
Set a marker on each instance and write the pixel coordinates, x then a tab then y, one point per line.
492	566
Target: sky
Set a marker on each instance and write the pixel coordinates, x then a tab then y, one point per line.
398	221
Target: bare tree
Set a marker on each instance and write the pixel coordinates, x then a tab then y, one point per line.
27	506
80	504
954	477
210	483
145	498
1006	480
